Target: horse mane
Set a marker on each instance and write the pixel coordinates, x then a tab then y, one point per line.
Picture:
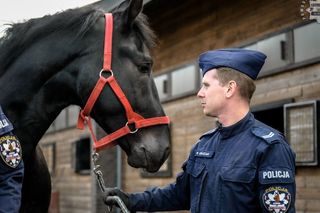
20	36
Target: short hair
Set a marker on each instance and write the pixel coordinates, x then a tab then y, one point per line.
245	83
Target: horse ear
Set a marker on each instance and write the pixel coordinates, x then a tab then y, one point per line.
133	10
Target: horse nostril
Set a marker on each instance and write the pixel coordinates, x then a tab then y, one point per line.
142	148
143	151
166	154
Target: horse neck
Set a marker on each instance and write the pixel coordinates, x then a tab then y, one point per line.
35	89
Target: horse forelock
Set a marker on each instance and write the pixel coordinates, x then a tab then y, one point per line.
20	36
146	32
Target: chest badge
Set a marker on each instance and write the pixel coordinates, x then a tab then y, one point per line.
276	199
10	150
204	154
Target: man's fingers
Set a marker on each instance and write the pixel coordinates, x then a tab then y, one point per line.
111	191
110	201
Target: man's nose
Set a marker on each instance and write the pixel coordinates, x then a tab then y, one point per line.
200	93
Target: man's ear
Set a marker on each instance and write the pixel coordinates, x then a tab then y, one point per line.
231	87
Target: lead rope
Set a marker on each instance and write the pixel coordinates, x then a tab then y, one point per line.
99	176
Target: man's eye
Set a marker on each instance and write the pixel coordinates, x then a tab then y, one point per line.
205	85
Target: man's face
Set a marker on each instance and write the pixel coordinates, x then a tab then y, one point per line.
212	94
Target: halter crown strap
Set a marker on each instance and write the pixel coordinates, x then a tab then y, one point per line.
132	117
108	41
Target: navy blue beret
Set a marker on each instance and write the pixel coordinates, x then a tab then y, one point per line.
248	62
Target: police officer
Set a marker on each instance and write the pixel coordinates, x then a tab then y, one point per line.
242	166
11	168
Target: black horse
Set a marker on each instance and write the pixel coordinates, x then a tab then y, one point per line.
50	63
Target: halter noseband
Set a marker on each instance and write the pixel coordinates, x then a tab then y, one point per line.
133	118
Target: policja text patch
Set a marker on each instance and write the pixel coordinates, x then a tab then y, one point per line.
5	124
275	175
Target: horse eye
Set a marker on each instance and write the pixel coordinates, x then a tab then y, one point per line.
144	68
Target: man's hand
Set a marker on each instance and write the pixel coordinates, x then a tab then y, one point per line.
110	201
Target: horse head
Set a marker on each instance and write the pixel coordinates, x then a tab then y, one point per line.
132	68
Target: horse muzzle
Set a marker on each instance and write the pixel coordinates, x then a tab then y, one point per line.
150	151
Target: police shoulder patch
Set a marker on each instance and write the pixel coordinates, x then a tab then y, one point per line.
276	199
276	175
10	150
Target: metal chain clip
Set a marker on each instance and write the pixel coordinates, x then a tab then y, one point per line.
99	176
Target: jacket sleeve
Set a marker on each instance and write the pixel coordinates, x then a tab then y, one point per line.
10	188
172	197
11	168
276	172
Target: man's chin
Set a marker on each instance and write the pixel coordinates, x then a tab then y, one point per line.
205	112
209	114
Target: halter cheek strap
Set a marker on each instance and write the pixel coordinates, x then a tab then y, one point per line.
133	118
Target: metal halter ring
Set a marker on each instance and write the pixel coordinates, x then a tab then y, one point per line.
102	70
84	117
95	156
132	131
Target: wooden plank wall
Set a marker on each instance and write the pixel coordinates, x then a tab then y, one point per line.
187	28
300	85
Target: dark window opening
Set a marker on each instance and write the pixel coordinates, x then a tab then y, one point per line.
271	114
82	164
272	117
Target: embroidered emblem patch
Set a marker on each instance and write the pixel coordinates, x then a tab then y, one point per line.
10	150
276	199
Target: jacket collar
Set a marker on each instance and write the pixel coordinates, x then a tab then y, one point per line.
237	128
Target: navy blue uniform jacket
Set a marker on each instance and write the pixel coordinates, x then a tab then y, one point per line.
244	168
11	168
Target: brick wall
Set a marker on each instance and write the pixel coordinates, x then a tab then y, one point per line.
300	85
188	28
73	191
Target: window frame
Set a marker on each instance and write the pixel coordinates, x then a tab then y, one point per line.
169	73
50	147
289	49
316	129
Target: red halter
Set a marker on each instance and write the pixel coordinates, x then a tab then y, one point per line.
132	117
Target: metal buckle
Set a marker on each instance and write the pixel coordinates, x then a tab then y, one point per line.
132	131
84	117
101	72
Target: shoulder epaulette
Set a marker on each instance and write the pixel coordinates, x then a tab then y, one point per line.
208	133
268	135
